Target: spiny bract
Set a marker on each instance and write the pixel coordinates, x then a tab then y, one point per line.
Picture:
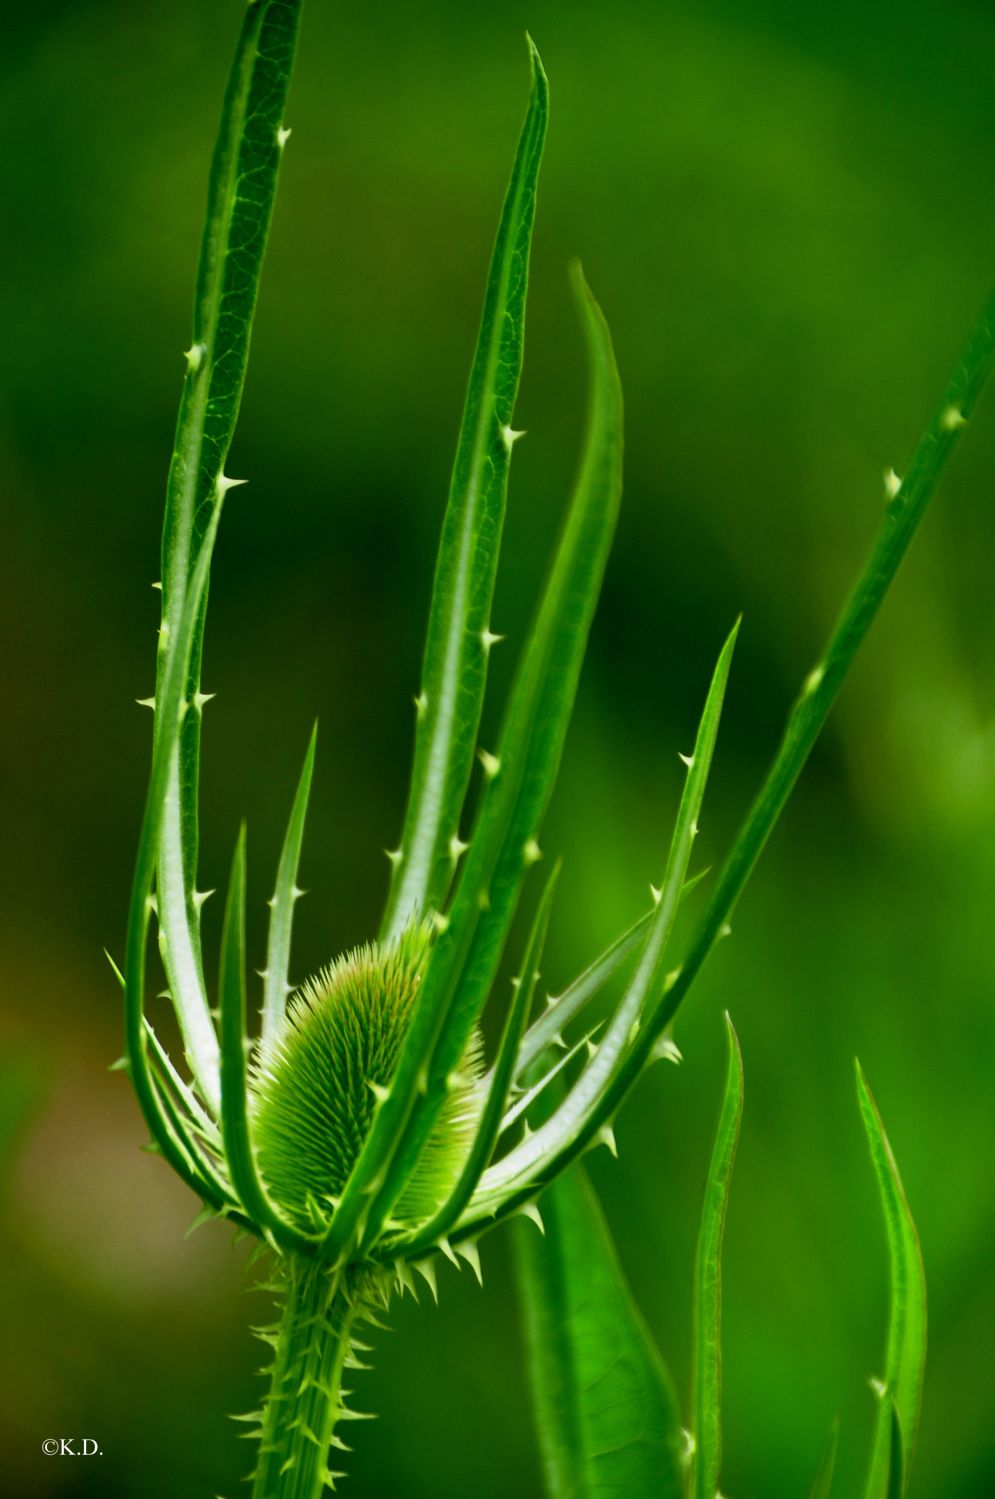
317	1086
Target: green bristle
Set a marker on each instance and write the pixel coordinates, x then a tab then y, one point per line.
315	1094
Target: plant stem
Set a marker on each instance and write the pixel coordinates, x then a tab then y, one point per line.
304	1401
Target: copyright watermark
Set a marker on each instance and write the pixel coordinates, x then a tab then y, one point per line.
71	1447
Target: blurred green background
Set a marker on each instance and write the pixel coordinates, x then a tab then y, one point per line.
787	213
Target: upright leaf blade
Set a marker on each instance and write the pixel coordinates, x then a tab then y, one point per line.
276	985
520	781
905	1357
455	652
242	188
822	1484
584	1110
170	709
903	515
706	1425
459	635
897	1472
235	1121
605	1407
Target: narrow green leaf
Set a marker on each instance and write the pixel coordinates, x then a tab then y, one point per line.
582	1113
199	1164
455	653
524	1101
896	1456
276	985
235	1046
492	1115
242	187
903	514
823	1482
520	781
459	629
197	1117
706	1341
605	1407
562	1008
170	712
905	1356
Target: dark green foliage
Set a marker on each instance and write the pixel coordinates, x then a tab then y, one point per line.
317	1093
706	1373
459	639
605	1408
900	1391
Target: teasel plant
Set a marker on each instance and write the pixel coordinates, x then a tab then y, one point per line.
359	1134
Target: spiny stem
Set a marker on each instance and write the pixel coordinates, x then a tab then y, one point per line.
305	1403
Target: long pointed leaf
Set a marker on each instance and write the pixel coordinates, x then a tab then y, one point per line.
581	1113
905	510
896	1455
604	1404
243	184
235	1123
459	634
198	1164
276	985
546	1079
905	1357
170	714
822	1484
456	649
520	779
195	1114
706	1342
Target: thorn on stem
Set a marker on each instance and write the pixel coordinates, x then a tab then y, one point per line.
531	1210
222	484
468	1251
491	764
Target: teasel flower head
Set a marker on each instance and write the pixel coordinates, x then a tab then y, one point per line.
359	1130
359	1125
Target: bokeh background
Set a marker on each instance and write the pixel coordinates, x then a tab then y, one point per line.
788	215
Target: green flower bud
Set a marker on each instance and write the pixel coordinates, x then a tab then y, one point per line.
317	1088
